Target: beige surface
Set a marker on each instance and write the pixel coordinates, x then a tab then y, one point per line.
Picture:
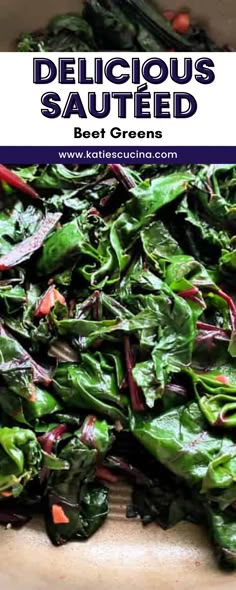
123	553
21	16
24	15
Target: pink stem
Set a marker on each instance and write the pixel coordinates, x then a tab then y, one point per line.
48	439
192	295
211	328
87	434
231	305
135	393
120	173
189	292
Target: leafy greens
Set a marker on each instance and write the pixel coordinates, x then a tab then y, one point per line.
117	332
109	25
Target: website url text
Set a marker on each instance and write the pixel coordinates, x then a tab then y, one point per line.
118	155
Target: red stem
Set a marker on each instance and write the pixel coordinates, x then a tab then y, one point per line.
16	182
87	434
94	211
21	251
193	295
48	439
106	475
189	292
135	393
120	173
232	307
97	308
211	328
128	469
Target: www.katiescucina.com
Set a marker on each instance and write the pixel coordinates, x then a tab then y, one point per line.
96	154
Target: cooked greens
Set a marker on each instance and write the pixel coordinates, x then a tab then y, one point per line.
109	25
117	346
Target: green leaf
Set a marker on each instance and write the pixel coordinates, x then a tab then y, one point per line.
179	439
54	463
96	434
84	502
159	246
90	384
146	199
223	531
20	457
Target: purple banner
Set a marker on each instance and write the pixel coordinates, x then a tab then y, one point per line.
119	155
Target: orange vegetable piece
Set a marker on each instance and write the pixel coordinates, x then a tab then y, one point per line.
48	300
222	379
58	515
181	23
